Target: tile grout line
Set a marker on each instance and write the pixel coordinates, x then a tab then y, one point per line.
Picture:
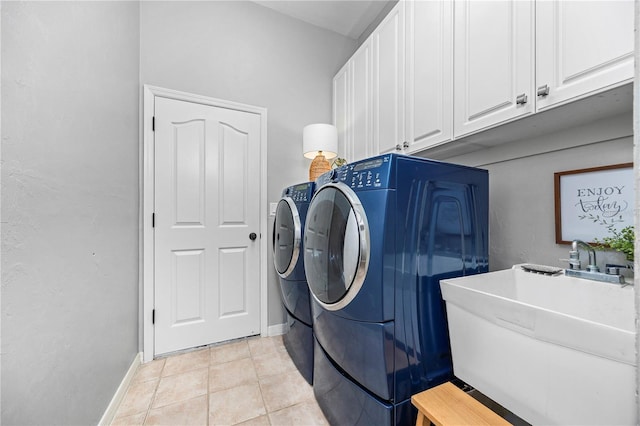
209	387
264	403
155	391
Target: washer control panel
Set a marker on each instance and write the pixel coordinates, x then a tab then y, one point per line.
371	173
301	193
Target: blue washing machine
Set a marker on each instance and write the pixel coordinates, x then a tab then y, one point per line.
380	235
289	264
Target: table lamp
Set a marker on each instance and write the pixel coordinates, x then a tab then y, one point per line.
320	143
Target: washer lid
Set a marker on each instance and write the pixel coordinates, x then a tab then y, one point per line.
286	237
336	245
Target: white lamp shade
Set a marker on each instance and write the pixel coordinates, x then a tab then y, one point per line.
320	137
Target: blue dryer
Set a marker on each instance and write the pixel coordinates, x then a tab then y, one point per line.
380	235
289	264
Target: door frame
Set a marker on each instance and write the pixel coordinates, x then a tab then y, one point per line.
147	191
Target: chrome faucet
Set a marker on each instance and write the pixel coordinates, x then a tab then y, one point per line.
574	256
592	272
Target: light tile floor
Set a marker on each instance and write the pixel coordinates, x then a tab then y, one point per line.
249	382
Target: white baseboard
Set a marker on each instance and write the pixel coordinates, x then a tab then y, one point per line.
277	329
112	409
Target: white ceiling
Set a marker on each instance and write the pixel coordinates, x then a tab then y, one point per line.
347	17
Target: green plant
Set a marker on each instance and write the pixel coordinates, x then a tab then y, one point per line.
338	162
622	241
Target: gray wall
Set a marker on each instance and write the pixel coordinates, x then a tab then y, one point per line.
636	156
243	52
69	207
371	28
521	187
69	98
71	80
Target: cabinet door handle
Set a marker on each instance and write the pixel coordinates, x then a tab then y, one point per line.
398	147
405	144
543	90
521	99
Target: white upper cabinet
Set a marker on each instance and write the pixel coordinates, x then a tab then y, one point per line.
388	82
439	70
429	73
341	113
353	105
494	54
582	47
361	103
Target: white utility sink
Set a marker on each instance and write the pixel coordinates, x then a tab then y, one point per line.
552	349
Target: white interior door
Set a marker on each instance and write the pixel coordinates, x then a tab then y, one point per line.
207	283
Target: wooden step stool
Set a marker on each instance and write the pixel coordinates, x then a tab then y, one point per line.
448	405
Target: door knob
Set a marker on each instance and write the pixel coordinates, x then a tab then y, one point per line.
253	236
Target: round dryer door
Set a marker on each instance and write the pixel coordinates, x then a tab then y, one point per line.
286	237
336	243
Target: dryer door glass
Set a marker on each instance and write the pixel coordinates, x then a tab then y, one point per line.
286	239
336	241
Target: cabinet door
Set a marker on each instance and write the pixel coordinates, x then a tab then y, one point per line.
388	81
429	62
582	47
361	103
341	117
493	75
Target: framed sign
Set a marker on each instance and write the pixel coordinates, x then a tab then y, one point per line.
590	202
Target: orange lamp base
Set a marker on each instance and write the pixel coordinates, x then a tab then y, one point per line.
319	166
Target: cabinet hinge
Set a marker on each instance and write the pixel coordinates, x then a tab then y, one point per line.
153	123
153	316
